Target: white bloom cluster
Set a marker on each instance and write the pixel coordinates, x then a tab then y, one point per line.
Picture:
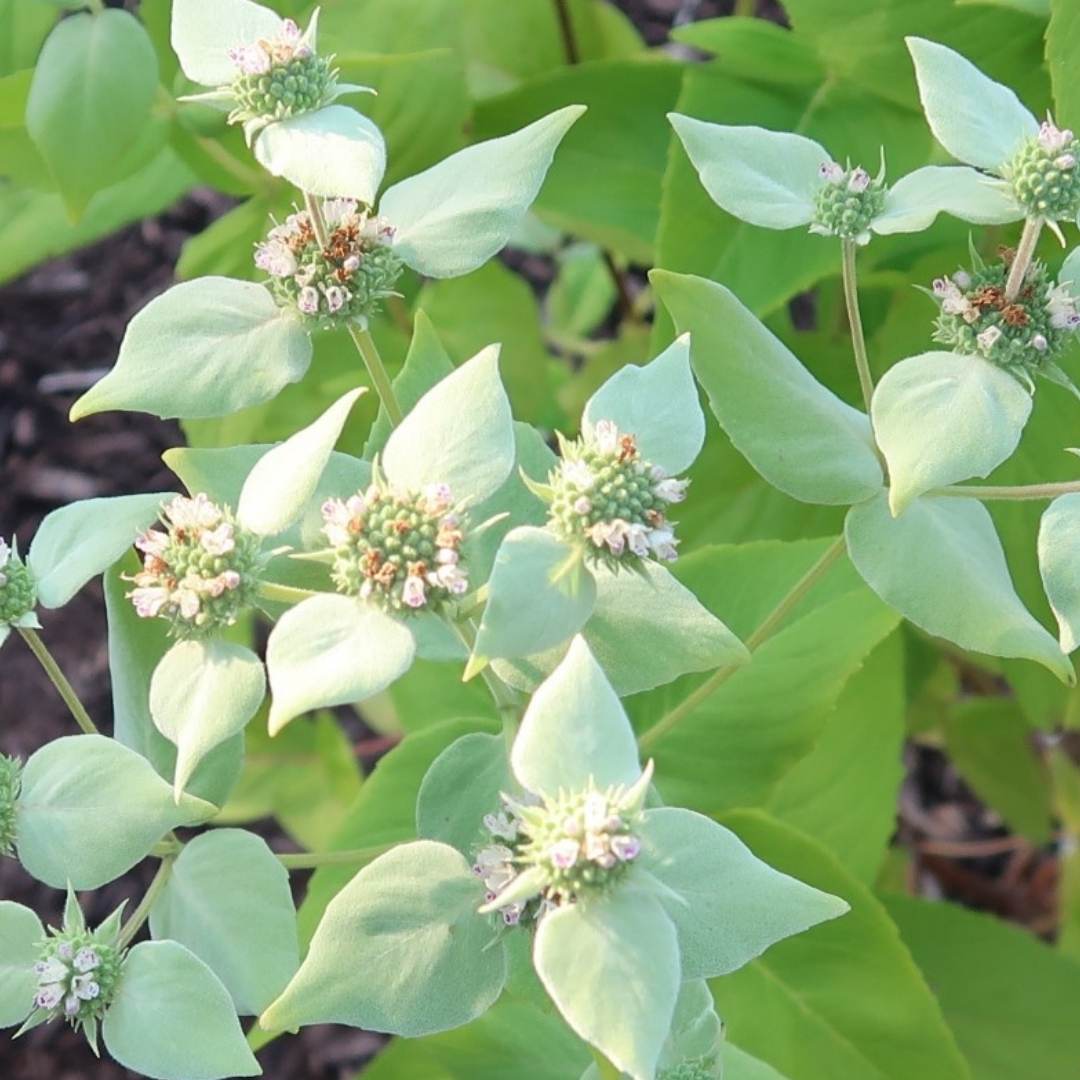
258	58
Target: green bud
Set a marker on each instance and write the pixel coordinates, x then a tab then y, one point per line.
18	592
1045	174
847	203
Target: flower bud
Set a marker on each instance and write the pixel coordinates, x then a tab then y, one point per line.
18	591
848	201
1043	174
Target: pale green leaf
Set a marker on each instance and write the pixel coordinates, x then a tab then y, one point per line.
739	1065
243	351
914	201
400	949
20	933
172	1019
207	907
943	417
1059	564
203	31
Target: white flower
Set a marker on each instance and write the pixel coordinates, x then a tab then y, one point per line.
596	811
195	513
413	592
637	538
606	436
230	579
308	300
352	263
512	914
626	848
859	182
338	211
577	473
564	853
1065	162
50	971
438	498
502	825
335	298
188	601
250	59
1052	138
830	171
337	517
962	278
48	997
663	542
276	258
582	505
153	542
71	1005
671	490
612	533
86	959
218	541
988	338
85	988
149	601
447	556
1039	343
453	578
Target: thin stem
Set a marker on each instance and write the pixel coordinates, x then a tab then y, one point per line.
311	204
59	680
312	860
1018	492
622	289
377	373
764	630
858	340
506	699
142	912
170	847
746	9
566	29
604	1067
1025	252
285	594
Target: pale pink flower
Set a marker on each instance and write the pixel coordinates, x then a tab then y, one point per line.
149	600
830	171
218	541
413	592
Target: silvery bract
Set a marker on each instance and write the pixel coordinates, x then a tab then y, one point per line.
622	898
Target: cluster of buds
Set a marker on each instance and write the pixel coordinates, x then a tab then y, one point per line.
18	593
1044	174
604	496
703	1069
977	317
280	78
343	279
10	784
398	550
558	850
847	202
199	572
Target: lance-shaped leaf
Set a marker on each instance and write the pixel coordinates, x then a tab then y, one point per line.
83	539
332	650
20	933
241	352
202	693
172	1019
658	404
451	218
942	417
330	152
575	731
90	809
941	566
767	178
207	907
283	481
401	949
976	119
460	433
1059	564
203	32
530	577
612	967
800	436
722	928
915	200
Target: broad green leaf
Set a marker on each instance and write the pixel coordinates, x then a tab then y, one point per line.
83	539
524	579
942	567
284	479
942	417
91	809
207	907
201	694
1007	996
332	150
459	433
1059	565
24	27
754	49
721	929
575	731
976	119
136	646
657	403
796	433
1061	48
244	351
914	201
172	1019
20	933
845	999
332	650
90	101
400	949
452	218
203	31
612	968
767	178
739	1065
462	786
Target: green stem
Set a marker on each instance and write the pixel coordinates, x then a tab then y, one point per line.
312	860
377	372
59	680
285	594
746	9
1016	493
858	340
604	1067
96	6
1025	252
170	847
764	630
566	29
507	700
311	204
142	912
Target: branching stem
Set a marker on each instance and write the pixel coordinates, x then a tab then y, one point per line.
1018	492
377	373
1025	252
59	680
142	912
858	340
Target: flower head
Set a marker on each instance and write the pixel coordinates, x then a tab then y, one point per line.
1043	174
18	591
847	202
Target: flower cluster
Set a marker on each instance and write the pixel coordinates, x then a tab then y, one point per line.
603	495
703	1069
200	572
847	202
977	317
344	279
571	844
399	550
77	975
18	593
10	783
1044	174
281	78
